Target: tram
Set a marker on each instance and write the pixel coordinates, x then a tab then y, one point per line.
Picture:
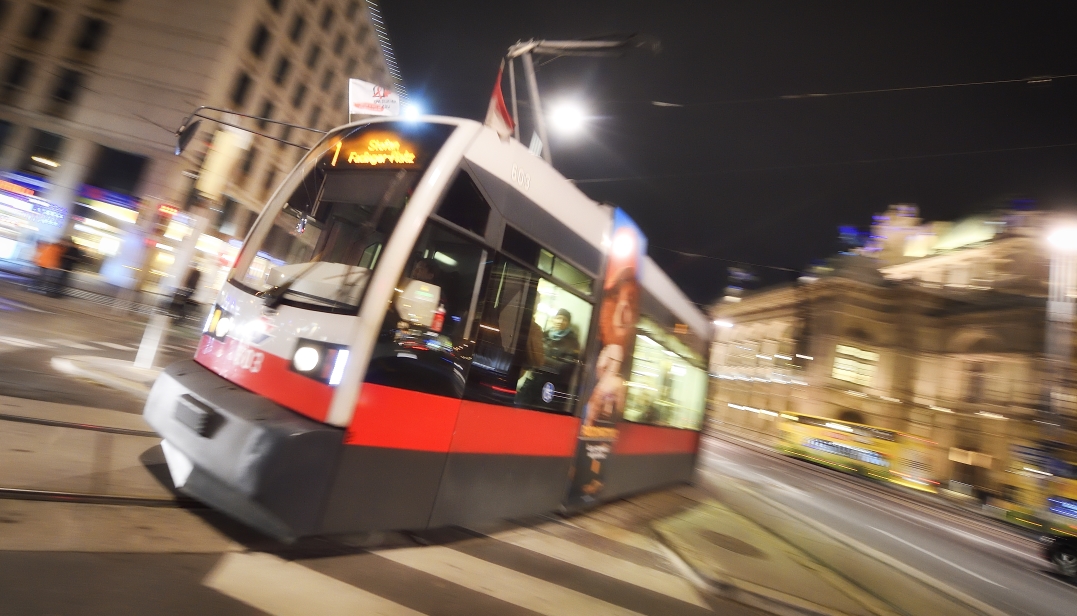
430	326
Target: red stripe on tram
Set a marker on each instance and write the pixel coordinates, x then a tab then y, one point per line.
402	419
266	375
493	429
635	439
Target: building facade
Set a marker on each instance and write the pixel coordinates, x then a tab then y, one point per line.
935	330
91	92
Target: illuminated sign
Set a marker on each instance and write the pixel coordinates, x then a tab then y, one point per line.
11	187
373	149
167	210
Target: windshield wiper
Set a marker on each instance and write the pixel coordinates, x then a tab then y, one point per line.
273	297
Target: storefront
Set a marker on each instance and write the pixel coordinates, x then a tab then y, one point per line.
24	215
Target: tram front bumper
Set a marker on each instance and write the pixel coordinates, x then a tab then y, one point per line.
243	454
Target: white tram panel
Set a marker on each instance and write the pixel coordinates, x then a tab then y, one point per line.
530	175
277	331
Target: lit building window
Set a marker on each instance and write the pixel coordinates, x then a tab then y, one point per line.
854	365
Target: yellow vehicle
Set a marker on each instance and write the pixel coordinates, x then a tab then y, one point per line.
886	455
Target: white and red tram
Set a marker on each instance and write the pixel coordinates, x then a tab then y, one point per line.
410	338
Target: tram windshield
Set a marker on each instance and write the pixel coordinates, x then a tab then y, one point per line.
319	241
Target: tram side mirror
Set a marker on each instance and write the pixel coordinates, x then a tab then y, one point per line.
185	134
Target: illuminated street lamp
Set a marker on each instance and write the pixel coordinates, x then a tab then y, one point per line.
568	117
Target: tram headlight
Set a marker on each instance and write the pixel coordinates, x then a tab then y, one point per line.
219	323
306	358
321	361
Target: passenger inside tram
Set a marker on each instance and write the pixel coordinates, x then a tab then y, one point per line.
561	353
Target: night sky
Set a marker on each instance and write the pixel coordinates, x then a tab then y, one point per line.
740	173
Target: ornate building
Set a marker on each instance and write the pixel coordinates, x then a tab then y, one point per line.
936	330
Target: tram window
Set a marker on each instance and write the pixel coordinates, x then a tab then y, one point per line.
464	205
530	338
340	220
529	251
421	342
667	386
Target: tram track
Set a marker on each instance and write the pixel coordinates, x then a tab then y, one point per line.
77	426
88	498
82	498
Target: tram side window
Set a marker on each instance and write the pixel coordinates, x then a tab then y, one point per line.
464	205
530	338
529	251
666	388
421	342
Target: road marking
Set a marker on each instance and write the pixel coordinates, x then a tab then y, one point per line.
592	560
19	342
118	347
499	582
936	556
284	588
72	344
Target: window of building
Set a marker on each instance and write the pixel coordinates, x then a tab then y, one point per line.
530	337
117	170
421	344
5	130
285	134
349	68
280	73
43	155
668	386
364	31
68	85
270	181
259	40
465	206
327	17
17	73
275	4
299	96
315	117
265	112
248	161
338	45
5	6
91	34
298	26
39	22
352	10
241	87
327	79
854	365
313	54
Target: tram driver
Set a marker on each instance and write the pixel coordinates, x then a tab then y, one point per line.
561	348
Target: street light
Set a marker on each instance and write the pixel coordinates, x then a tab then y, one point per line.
1063	239
722	323
412	111
568	117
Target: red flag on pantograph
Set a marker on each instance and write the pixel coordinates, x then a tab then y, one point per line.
497	116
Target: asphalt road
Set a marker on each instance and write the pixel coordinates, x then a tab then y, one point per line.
35	328
993	563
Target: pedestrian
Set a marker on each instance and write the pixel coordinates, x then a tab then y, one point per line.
69	256
47	260
181	298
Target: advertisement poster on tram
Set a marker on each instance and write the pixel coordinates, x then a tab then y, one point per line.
365	98
618	315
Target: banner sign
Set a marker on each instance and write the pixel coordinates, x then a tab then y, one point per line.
365	98
617	319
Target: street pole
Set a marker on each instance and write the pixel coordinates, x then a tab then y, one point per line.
536	106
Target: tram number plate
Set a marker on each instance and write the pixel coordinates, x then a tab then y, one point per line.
246	358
